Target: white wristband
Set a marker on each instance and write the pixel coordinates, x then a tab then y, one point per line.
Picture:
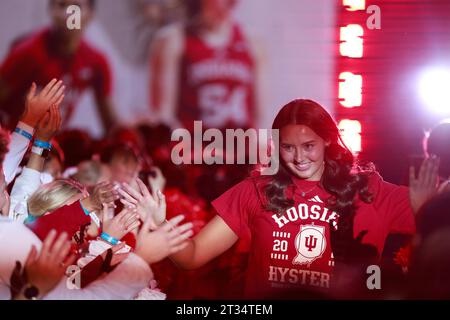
37	150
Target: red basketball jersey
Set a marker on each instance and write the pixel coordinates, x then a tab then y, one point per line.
217	84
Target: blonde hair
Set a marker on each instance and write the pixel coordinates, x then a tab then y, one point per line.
52	196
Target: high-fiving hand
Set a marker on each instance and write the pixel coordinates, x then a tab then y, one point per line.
37	104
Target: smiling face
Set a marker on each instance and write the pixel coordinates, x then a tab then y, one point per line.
302	151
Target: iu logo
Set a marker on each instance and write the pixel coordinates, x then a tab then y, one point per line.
310	243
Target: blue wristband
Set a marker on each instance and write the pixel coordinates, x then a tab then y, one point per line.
109	239
27	135
42	144
84	209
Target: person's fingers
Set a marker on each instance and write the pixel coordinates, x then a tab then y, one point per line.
57	95
60	100
58	245
48	87
422	170
143	188
134	193
129	205
102	184
430	174
150	181
172	223
109	205
108	188
181	229
120	216
31	256
51	93
61	255
161	200
178	247
444	186
133	226
130	218
44	120
127	196
181	237
46	246
32	91
127	219
52	118
108	199
148	223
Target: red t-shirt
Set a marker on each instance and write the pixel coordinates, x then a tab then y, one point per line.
34	59
67	219
216	85
294	250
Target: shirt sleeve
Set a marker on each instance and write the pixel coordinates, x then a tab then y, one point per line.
17	148
25	185
392	202
237	205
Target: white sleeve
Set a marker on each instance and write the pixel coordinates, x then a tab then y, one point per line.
17	148
123	283
25	185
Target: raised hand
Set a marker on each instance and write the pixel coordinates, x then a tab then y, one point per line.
49	124
147	206
103	193
127	220
166	240
425	185
37	105
46	270
158	182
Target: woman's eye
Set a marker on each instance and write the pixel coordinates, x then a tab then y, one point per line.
309	146
287	147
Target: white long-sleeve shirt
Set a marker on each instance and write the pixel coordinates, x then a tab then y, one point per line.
24	186
17	148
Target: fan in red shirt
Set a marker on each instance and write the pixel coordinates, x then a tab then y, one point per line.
57	52
207	70
319	222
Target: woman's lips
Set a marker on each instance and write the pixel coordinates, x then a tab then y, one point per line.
303	167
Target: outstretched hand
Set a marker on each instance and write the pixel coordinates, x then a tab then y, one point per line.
148	206
104	193
127	220
46	269
166	240
49	124
37	104
425	185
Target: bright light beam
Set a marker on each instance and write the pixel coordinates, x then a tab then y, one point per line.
434	89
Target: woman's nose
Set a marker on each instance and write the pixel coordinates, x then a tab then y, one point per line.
298	156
